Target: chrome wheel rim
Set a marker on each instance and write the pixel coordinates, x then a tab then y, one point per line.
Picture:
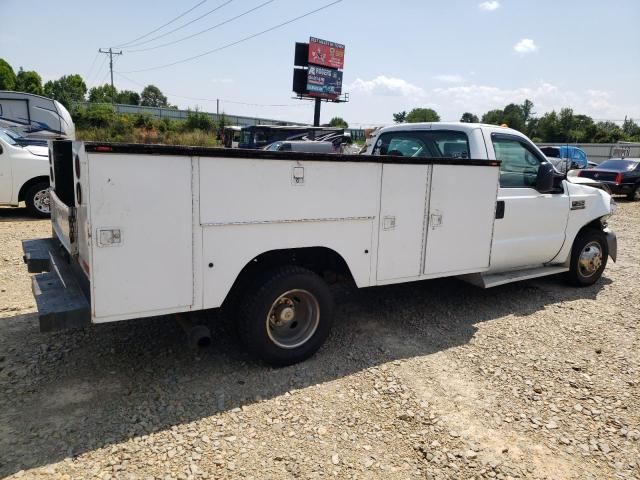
41	201
590	259
293	318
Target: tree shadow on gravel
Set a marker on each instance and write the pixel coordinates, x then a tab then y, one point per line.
71	392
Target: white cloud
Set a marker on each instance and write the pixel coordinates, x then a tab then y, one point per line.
449	78
526	45
386	86
221	80
489	6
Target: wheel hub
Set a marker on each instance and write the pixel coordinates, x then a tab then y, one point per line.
590	259
293	318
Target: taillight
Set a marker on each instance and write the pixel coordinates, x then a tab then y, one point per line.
579	174
619	178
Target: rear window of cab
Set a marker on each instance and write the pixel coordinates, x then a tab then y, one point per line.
421	143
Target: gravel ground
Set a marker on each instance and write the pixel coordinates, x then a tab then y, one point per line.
431	380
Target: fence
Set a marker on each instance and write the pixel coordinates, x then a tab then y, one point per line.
241	121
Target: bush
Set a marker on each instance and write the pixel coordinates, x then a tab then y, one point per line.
199	121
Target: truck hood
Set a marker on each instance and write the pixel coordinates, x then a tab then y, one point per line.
37	150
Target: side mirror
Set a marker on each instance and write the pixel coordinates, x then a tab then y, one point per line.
545	178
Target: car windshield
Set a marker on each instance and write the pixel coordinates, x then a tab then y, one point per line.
7	138
618	165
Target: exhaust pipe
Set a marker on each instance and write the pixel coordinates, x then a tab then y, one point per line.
198	336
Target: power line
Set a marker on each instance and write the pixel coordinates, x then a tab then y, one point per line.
237	41
96	74
161	26
203	31
178	28
296	105
93	63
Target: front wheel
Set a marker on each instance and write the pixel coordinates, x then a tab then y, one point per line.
286	316
37	200
588	258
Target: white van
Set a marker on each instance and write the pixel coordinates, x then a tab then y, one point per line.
33	116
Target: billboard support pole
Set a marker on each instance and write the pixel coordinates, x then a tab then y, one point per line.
316	113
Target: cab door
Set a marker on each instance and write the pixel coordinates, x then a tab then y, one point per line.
530	226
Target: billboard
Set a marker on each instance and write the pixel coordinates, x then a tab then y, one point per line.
324	82
325	53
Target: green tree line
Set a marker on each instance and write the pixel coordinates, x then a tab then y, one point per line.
555	127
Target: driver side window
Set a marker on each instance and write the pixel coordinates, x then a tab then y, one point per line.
519	165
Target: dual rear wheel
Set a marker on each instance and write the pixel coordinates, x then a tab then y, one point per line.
285	316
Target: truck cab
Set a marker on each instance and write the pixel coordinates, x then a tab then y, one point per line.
536	220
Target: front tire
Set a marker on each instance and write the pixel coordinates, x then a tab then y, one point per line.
588	258
37	200
285	316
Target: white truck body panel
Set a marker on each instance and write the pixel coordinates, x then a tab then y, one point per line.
159	232
151	268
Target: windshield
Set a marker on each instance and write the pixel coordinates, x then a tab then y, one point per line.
618	165
7	138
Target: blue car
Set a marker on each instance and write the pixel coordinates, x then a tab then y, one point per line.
576	155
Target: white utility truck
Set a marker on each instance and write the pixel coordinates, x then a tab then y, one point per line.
146	230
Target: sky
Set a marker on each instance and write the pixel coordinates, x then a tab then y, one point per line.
453	56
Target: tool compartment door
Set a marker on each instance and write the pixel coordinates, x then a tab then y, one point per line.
402	217
141	224
462	209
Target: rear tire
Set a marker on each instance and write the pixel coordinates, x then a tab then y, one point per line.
37	200
285	317
588	258
635	194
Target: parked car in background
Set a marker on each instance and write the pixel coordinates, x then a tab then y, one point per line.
24	175
303	146
620	175
575	157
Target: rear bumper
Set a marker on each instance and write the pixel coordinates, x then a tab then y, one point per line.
61	297
612	243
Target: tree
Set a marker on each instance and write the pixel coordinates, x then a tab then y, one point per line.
493	117
338	122
469	118
631	130
423	115
29	82
152	97
513	116
7	76
67	89
527	111
128	97
103	94
400	117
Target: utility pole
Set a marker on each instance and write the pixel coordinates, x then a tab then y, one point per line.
217	106
111	54
316	113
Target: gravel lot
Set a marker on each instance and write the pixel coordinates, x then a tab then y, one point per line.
431	380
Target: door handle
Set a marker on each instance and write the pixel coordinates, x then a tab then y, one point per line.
388	222
500	209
